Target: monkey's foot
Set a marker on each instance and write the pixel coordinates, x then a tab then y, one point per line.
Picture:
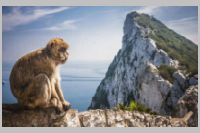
66	105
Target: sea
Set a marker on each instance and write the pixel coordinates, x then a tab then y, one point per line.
79	81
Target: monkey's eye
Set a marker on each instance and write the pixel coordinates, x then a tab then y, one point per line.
62	49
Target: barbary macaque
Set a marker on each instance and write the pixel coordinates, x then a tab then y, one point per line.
35	79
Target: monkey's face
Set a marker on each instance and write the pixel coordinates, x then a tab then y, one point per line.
58	50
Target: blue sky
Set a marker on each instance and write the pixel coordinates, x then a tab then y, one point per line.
94	33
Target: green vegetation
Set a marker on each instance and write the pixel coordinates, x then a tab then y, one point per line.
167	72
134	106
122	107
177	46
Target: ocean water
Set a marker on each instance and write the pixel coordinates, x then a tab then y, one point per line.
79	81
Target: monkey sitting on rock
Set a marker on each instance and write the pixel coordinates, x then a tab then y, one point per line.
35	80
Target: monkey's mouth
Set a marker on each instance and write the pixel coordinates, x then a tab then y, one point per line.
63	60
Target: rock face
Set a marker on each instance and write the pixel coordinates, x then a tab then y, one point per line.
91	118
193	80
134	72
153	89
189	102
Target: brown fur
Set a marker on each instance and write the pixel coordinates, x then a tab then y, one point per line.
34	79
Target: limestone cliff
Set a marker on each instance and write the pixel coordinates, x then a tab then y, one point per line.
148	68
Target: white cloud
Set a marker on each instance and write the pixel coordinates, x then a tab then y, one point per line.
66	25
186	27
181	21
147	9
17	17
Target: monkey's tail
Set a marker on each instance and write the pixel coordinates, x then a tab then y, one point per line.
187	116
18	93
12	107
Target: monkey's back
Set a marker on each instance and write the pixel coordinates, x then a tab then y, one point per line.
26	68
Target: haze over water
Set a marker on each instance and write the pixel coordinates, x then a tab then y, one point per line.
79	81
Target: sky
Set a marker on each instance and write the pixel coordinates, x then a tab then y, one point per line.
93	33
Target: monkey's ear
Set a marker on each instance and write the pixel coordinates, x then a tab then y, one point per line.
50	44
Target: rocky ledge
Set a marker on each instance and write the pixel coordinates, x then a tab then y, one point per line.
14	117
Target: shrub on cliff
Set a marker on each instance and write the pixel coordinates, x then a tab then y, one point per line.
167	72
134	106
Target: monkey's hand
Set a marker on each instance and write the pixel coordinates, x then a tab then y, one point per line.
66	105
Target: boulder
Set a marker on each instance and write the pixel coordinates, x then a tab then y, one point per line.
193	81
180	78
13	115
